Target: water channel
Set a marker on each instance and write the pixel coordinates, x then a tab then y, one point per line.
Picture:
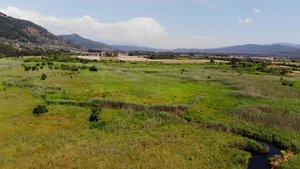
260	161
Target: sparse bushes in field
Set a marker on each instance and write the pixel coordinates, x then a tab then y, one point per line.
287	83
43	76
58	58
40	109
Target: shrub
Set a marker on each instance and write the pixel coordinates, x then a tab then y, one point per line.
83	67
43	77
93	68
287	83
94	115
74	68
40	109
34	68
27	68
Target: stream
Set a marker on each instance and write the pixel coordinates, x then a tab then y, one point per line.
260	161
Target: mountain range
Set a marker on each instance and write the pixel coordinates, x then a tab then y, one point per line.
273	49
252	49
28	34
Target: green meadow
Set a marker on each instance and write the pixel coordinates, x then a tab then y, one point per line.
153	115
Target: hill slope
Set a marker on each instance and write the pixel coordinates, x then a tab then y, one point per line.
28	34
141	48
75	38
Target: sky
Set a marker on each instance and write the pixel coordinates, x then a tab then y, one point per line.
166	24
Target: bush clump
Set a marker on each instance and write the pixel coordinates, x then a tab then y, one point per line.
93	68
40	109
287	83
94	115
43	77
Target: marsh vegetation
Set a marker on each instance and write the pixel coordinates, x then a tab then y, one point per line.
118	114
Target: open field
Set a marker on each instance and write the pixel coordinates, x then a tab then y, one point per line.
143	59
223	106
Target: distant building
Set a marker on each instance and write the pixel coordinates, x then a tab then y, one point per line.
2	14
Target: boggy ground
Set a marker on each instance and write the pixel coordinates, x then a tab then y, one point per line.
246	104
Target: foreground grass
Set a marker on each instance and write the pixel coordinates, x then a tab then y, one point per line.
64	138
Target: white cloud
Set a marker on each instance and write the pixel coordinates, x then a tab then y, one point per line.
137	31
245	20
256	11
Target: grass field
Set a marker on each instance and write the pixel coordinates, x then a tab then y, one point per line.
218	100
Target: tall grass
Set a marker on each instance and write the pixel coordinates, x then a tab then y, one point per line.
265	115
118	104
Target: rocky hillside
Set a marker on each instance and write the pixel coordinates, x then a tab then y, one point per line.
28	34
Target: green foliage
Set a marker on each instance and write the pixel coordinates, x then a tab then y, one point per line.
287	83
94	117
40	109
27	68
178	119
93	68
33	68
251	145
43	76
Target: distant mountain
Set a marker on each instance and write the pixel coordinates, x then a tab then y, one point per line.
26	33
75	38
251	49
142	48
288	44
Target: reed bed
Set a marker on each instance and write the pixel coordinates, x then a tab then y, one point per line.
118	104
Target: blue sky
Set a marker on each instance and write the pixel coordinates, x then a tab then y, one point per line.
166	23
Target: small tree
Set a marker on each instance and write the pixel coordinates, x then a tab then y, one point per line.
95	113
40	109
43	77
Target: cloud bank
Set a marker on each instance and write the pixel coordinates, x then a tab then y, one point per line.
142	31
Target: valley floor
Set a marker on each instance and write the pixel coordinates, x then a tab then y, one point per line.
223	106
